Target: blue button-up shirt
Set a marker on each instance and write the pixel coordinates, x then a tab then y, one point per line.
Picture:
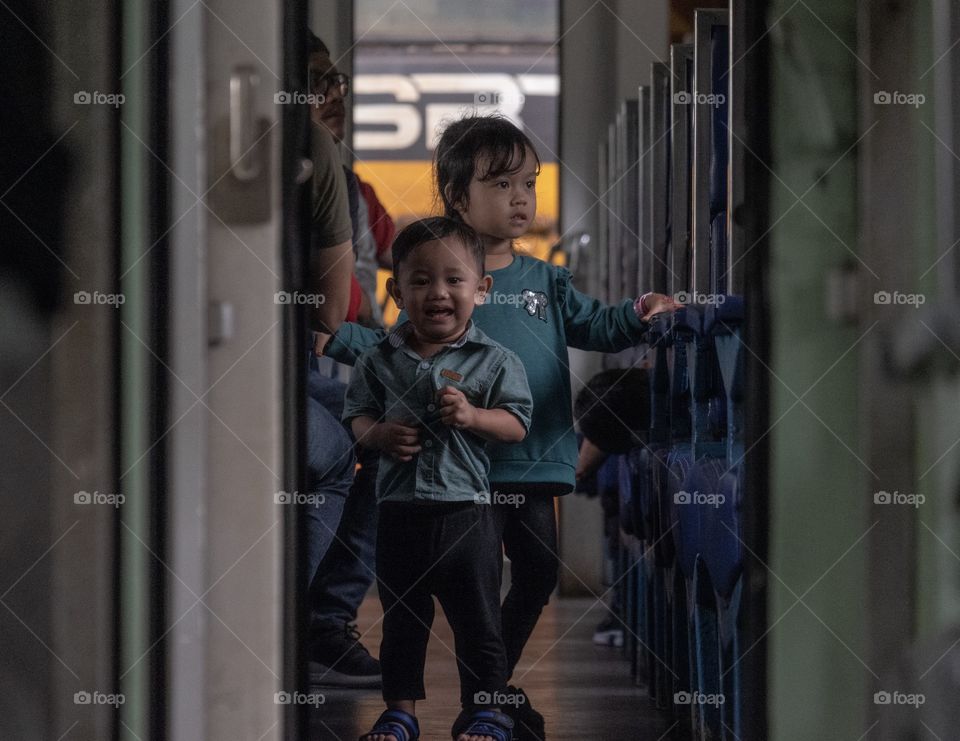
391	382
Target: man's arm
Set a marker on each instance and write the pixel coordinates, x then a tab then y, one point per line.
330	271
331	248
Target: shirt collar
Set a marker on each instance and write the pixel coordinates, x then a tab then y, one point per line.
398	335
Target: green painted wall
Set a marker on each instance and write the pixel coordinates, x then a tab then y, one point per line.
938	454
818	511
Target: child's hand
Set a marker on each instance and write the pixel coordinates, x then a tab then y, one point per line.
657	303
398	440
455	410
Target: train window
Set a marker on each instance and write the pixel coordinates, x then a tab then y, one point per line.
610	287
660	134
644	274
681	87
599	286
709	156
627	199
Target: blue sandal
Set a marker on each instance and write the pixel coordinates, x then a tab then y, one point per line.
475	722
402	726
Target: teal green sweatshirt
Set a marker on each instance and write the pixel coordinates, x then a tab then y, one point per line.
534	310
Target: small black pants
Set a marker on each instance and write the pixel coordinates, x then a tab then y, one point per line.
529	532
452	551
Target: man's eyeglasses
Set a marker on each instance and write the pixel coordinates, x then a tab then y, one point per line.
323	84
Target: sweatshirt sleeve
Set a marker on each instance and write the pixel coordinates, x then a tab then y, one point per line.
351	340
592	325
365	393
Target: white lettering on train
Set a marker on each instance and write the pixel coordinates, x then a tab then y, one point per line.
503	93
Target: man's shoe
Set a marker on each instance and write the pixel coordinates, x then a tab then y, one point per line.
338	659
609	632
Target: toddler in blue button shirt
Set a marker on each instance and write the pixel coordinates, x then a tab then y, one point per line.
429	397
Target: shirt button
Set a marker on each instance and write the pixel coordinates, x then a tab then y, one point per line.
431	407
428	443
424	365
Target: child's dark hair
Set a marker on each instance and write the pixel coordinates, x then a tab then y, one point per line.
461	146
431	229
613	409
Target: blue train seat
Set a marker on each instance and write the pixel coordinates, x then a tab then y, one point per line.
684	516
722	530
724	554
703	481
631	565
607	477
637	463
725	560
625	492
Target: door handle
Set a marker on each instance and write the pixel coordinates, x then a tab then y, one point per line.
245	162
240	161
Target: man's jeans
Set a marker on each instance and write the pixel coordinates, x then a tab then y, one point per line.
348	569
342	565
330	465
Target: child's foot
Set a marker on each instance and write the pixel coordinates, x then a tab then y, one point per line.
482	725
394	725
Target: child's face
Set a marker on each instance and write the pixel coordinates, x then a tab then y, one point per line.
503	207
439	284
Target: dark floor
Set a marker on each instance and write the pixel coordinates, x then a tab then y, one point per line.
584	691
